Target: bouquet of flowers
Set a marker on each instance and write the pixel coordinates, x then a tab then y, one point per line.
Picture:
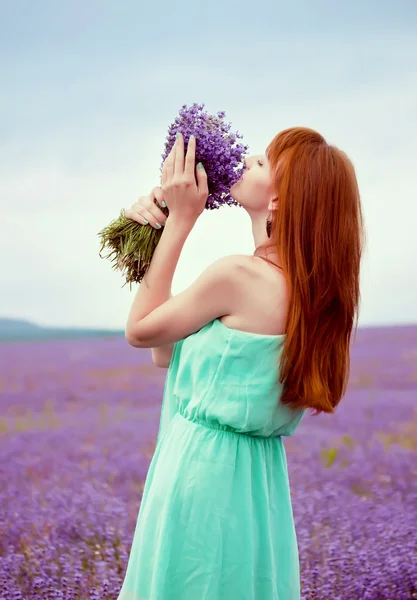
131	245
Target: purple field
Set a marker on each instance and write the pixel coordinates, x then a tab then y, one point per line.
78	424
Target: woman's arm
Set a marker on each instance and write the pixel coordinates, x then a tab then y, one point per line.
161	355
155	288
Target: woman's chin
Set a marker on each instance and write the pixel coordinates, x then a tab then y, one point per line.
234	189
235	197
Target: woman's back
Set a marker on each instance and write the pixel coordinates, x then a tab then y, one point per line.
262	306
227	378
263	303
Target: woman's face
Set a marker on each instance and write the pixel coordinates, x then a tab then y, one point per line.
254	190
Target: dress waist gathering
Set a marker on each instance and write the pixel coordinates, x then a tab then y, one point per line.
222	427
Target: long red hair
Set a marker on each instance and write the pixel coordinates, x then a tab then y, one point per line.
318	229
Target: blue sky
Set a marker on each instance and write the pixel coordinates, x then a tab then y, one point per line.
88	92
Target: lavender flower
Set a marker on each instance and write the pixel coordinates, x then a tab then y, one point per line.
131	245
216	148
78	424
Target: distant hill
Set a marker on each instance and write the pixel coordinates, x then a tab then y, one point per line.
22	330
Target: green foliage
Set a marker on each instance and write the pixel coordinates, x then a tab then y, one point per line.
130	246
328	456
348	440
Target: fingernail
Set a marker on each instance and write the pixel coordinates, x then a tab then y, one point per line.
163	203
145	221
158	225
177	134
191	137
164	222
200	165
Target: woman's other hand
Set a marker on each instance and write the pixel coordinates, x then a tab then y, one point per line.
145	211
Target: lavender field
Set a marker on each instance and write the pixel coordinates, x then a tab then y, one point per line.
78	424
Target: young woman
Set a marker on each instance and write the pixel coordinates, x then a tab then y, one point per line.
253	343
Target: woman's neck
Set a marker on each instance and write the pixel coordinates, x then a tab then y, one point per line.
268	252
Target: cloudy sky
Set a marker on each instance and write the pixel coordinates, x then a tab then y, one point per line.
90	87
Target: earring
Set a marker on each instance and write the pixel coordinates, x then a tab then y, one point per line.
268	225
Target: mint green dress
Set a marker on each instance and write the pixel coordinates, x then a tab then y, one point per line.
216	521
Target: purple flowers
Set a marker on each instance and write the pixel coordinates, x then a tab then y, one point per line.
216	147
78	423
131	245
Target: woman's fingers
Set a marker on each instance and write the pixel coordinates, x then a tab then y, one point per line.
168	167
155	217
159	216
142	211
158	194
190	159
179	156
145	217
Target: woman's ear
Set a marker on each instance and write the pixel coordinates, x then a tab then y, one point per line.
273	204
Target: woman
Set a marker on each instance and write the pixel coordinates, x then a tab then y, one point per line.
256	341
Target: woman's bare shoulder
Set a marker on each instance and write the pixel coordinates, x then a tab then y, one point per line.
244	260
241	262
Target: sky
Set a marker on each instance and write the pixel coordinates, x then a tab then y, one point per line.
89	89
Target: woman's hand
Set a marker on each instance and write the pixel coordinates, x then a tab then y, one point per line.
184	195
145	211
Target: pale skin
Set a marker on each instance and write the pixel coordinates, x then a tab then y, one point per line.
157	319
